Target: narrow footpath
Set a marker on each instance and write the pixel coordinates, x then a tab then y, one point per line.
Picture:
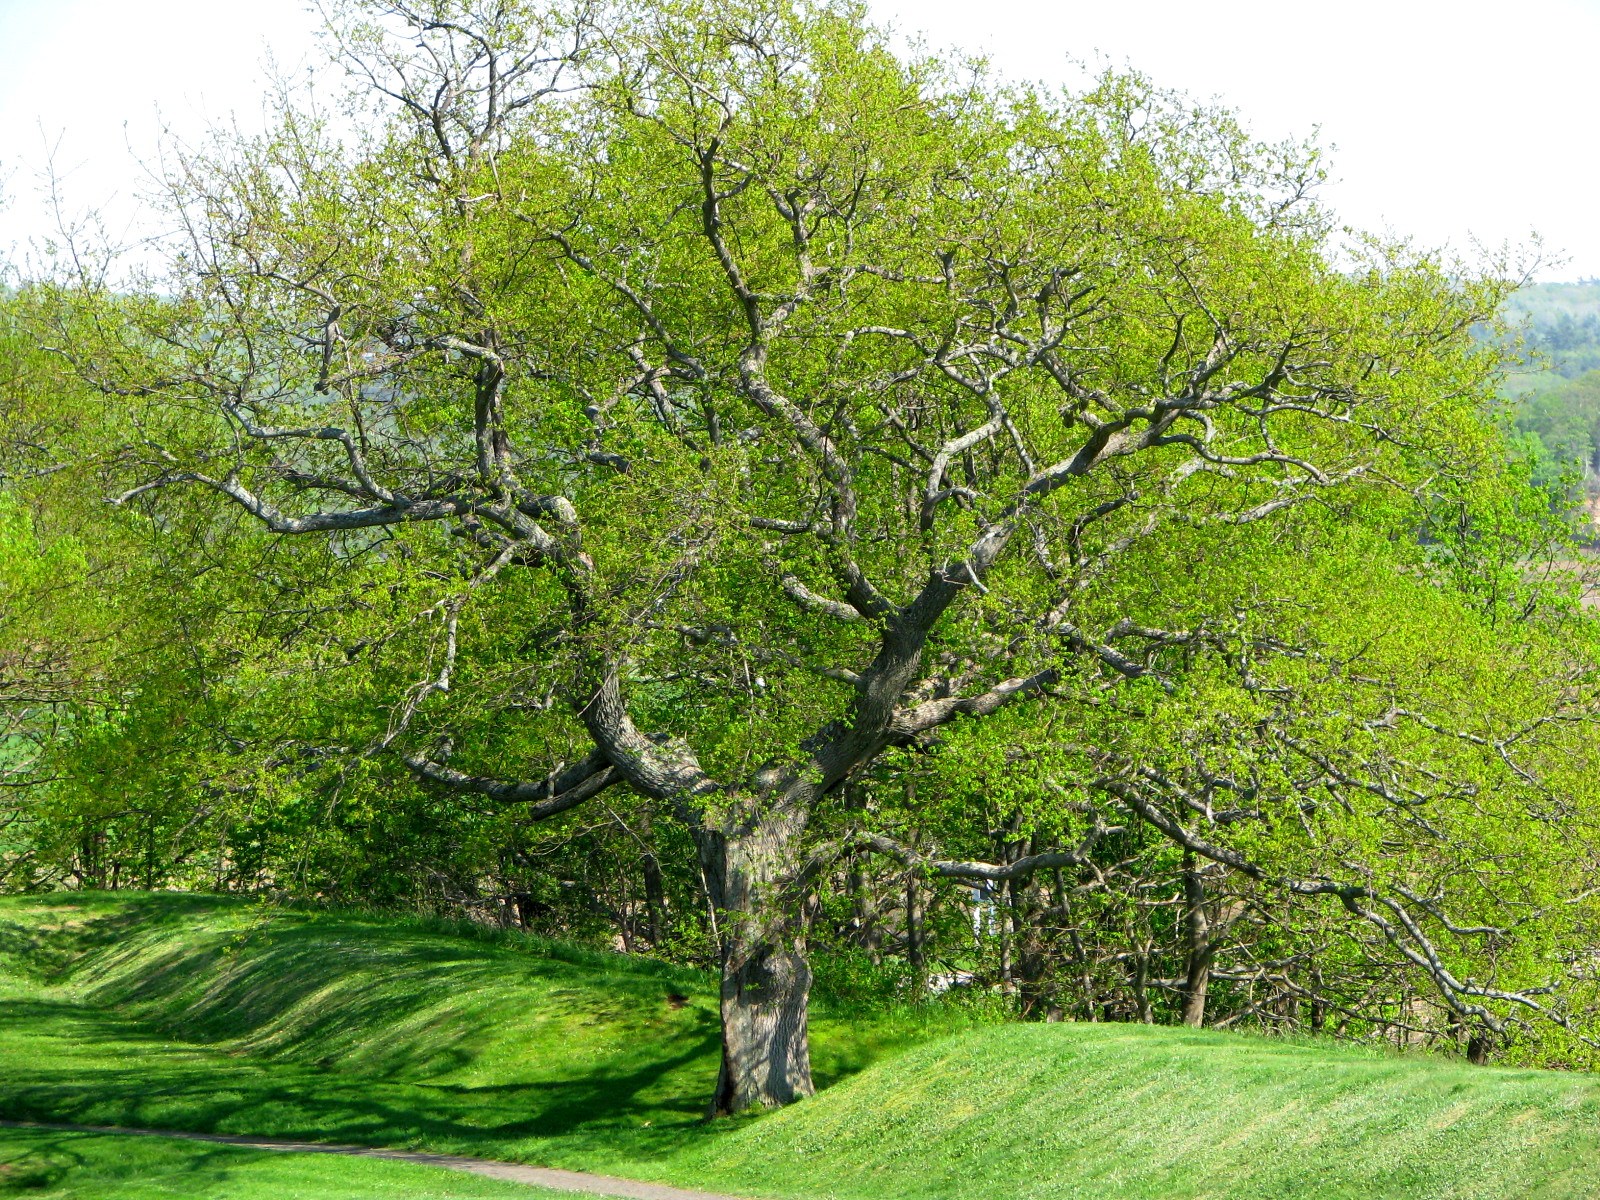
548	1177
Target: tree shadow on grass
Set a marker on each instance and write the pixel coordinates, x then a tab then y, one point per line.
328	1028
48	934
337	990
412	1011
40	1162
335	1027
142	1080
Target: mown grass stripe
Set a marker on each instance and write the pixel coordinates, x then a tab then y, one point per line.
544	1177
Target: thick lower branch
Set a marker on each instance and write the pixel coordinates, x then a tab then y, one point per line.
931	714
555	794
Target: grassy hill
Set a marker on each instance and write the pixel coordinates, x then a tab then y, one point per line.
1093	1111
192	1012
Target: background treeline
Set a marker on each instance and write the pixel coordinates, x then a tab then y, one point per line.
1555	390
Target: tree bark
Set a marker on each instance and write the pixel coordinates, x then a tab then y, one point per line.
1031	965
914	954
1141	987
766	978
1198	975
655	891
864	929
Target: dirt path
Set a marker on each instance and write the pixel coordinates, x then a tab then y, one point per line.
549	1177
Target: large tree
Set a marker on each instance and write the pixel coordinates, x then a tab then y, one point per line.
734	401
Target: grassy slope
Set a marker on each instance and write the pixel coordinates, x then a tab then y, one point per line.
1096	1111
171	1011
97	1166
352	1029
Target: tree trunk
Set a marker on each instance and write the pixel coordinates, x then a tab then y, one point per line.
1198	980
1141	984
766	979
1319	1010
1031	968
655	891
864	929
914	955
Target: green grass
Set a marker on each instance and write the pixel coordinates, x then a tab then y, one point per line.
99	1166
195	1013
1100	1111
199	1013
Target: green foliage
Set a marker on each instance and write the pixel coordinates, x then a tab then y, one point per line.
1565	426
1562	329
1554	391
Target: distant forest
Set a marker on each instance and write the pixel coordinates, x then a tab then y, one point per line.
1556	398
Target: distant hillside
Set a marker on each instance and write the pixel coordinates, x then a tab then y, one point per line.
1556	398
1563	328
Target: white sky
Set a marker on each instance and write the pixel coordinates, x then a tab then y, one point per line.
1451	119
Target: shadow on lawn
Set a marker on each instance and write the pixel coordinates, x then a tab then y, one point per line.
143	1080
340	991
60	931
33	1159
211	1014
396	1009
600	1113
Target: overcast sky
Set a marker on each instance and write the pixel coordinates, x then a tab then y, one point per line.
1450	120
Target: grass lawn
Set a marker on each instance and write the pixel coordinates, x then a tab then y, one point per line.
98	1166
1090	1112
199	1013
